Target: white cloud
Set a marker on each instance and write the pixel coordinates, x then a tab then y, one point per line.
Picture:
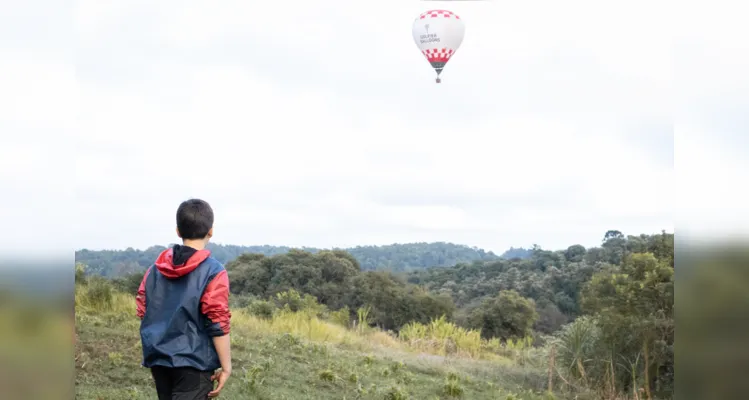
38	114
322	126
711	121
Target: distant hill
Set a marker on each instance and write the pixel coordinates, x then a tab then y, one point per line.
394	257
520	252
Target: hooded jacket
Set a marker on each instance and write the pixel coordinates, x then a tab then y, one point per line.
183	302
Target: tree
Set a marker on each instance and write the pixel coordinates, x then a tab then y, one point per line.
550	318
634	304
250	274
506	316
612	234
575	253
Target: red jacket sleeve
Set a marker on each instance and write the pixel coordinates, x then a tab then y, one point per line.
140	298
215	303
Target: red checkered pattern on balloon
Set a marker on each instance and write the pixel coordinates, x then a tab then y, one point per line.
439	55
438	14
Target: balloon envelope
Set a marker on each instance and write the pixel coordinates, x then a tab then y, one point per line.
438	34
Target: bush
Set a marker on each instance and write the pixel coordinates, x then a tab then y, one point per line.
580	353
129	283
99	293
80	274
289	300
341	317
261	308
396	393
241	301
452	387
293	301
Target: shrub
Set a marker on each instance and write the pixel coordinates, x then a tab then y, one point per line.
80	274
452	387
129	283
341	317
261	308
396	393
99	293
241	301
579	348
291	300
327	376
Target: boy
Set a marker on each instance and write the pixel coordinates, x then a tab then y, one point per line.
183	304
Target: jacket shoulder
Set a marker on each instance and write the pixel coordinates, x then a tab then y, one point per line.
213	265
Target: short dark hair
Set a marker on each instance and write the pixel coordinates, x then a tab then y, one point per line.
194	219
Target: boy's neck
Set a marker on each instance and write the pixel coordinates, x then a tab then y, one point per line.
195	244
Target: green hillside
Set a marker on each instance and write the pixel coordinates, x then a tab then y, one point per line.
394	257
559	321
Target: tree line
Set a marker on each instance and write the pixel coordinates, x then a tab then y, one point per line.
553	279
545	288
394	257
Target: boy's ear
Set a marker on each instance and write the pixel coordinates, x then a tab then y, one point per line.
178	235
210	234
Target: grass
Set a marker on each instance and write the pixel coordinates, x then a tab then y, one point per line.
292	355
443	338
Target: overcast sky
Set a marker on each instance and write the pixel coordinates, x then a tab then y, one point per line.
320	124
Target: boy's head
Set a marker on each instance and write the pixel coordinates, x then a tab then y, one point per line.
194	220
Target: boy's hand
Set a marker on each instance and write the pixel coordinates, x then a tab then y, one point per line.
221	377
223	349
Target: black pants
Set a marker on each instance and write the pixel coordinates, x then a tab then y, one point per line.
182	383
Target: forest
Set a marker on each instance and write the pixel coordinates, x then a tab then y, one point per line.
395	257
607	310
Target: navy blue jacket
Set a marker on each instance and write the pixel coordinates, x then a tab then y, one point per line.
183	302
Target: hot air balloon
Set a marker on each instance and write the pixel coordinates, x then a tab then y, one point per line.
438	34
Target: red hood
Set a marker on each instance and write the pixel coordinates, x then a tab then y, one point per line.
165	262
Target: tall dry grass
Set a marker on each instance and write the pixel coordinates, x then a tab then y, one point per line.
306	326
442	337
98	296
